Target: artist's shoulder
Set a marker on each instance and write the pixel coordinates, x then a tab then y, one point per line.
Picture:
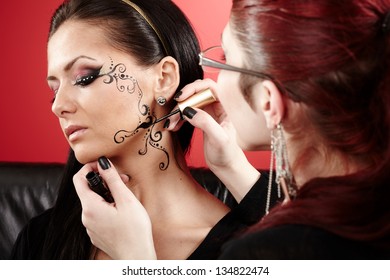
295	242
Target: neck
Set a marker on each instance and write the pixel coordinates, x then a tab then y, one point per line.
157	176
308	162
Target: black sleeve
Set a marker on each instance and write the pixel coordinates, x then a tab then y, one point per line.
252	207
279	243
295	242
255	246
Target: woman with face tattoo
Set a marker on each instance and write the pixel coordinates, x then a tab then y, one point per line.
114	68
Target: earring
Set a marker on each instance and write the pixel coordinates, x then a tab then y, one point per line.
161	100
283	174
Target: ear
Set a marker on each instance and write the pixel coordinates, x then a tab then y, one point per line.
271	102
168	78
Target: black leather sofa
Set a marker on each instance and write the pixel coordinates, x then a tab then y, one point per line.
27	189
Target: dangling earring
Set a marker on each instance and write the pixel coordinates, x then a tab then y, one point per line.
161	100
283	174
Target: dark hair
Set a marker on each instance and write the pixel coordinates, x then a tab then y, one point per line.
127	30
333	56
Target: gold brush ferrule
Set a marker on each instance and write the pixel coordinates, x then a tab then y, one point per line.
198	100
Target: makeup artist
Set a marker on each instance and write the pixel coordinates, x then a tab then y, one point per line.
317	73
114	68
311	80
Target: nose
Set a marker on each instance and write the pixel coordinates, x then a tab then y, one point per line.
63	103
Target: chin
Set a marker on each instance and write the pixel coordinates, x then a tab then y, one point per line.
85	157
254	146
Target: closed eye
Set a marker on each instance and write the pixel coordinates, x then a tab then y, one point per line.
87	79
54	98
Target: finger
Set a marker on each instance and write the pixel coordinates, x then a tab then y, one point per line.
202	120
197	86
174	122
125	178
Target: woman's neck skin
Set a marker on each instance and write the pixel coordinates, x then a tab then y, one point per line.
179	208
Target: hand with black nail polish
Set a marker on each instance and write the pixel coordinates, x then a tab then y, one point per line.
222	153
104	220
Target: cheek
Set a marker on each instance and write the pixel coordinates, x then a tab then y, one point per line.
124	114
228	91
252	133
111	112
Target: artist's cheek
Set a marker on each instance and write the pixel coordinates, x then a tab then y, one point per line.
226	97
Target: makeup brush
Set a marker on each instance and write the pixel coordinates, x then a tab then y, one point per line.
198	100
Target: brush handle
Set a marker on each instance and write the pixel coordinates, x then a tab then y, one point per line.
198	100
167	116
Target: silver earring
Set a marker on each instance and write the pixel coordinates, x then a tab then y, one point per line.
161	100
283	174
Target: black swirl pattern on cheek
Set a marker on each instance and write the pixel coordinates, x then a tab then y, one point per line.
122	134
125	82
152	139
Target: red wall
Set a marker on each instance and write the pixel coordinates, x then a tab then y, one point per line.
29	130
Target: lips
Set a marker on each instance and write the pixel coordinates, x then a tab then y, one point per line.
73	131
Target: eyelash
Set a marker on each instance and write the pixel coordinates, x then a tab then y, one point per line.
87	79
83	81
54	98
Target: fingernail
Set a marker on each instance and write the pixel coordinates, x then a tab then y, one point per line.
167	123
189	112
104	163
177	95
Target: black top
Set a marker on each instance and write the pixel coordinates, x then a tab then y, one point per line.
299	242
30	241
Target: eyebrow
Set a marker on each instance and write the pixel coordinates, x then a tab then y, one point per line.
69	65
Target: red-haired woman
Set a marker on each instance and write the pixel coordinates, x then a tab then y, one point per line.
318	73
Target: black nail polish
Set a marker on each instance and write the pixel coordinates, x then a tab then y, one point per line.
189	112
167	123
177	95
104	163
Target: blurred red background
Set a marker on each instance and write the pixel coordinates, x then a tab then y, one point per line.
29	130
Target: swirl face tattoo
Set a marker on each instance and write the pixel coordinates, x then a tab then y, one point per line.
128	84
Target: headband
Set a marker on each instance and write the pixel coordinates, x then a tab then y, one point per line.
141	12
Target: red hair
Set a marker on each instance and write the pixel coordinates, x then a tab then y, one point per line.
332	56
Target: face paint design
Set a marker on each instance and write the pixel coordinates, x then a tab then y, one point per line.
124	83
128	84
88	79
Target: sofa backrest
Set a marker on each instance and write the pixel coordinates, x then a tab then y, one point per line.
28	189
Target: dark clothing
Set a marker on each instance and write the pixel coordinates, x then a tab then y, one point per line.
30	241
299	242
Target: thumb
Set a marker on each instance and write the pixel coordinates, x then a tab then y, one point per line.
114	181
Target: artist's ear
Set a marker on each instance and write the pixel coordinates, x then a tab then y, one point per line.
272	105
168	78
